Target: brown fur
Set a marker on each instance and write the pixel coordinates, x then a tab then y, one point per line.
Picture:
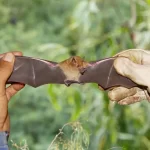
72	67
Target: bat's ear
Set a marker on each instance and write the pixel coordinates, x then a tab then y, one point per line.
74	61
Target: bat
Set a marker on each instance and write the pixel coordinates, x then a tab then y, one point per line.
36	72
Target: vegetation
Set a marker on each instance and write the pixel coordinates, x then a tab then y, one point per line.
55	30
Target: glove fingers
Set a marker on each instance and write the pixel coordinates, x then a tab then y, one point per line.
139	96
134	55
138	73
138	56
120	93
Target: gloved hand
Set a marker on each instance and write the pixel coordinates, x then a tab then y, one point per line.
135	66
6	67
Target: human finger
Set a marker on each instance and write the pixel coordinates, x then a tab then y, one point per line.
6	67
16	53
13	89
136	72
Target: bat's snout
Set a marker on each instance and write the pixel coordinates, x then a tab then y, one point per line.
69	82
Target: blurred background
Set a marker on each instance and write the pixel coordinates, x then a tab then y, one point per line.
55	117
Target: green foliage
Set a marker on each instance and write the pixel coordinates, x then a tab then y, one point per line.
78	140
93	29
22	145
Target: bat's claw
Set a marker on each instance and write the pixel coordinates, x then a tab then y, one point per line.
82	70
69	82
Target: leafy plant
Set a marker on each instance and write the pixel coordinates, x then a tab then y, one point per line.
92	29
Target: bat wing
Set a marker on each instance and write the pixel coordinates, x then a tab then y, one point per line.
36	72
104	73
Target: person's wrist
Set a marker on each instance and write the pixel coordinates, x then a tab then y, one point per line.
3	138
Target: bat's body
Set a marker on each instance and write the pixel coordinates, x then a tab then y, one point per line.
73	68
37	72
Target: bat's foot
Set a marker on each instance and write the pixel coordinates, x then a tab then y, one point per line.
82	70
69	82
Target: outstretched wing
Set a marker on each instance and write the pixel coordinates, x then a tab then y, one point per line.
103	73
36	72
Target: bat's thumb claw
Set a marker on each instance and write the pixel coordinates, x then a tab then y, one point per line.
100	88
82	70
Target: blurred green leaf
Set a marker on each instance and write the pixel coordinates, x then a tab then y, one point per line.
93	29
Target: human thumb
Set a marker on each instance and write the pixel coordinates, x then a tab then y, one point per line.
138	73
6	67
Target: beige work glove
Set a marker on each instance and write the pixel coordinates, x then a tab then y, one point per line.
136	67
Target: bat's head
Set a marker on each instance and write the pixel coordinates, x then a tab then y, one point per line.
73	68
79	63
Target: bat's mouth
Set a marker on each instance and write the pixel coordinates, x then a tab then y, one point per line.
69	82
